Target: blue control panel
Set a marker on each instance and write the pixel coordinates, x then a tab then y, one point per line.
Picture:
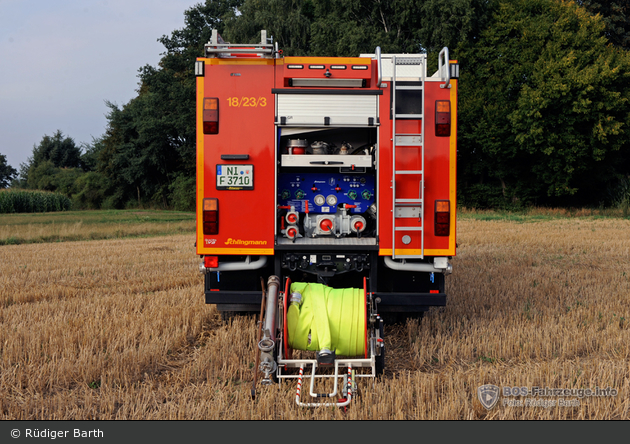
325	191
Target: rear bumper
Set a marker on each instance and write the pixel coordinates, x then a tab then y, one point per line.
390	302
409	302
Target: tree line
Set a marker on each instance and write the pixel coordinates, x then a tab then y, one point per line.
544	98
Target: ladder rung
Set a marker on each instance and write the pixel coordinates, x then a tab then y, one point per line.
409	201
408	228
408	87
409	116
408	172
408	140
400	143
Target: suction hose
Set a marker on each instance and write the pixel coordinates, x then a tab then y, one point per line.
267	343
327	319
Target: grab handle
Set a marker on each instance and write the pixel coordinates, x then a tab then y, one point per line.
448	68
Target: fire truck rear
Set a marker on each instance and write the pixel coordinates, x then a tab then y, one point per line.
319	174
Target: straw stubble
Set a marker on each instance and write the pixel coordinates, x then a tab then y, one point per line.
118	329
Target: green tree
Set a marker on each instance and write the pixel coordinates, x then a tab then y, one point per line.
58	165
132	156
46	176
90	153
449	22
91	190
544	107
616	16
151	140
53	152
287	21
7	172
351	27
61	150
42	176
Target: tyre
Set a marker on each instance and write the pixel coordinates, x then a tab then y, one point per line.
380	359
380	362
226	316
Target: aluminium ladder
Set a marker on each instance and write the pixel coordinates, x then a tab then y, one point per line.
407	142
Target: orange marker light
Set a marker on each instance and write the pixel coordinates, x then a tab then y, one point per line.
211	103
210	115
210	204
442	206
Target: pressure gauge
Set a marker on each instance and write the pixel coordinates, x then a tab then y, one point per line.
331	200
319	200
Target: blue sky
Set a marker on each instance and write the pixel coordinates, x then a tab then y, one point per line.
60	60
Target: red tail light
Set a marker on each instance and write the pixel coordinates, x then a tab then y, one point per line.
210	115
211	261
442	217
211	216
443	118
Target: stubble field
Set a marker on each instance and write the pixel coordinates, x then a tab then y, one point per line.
118	329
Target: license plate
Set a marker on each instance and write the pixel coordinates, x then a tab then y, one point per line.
235	177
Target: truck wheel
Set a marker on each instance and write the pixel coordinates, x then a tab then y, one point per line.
416	315
274	375
380	359
380	362
391	318
226	316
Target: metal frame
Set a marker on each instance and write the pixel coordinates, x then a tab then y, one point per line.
216	47
351	363
348	388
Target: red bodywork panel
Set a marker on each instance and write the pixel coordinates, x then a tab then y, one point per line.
246	116
327	67
439	174
247	107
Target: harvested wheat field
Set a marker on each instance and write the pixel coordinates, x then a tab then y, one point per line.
118	329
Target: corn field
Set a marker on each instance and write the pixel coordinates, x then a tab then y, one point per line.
118	329
32	201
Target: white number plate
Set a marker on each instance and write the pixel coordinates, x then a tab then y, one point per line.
235	177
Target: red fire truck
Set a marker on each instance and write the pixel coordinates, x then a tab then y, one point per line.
339	171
